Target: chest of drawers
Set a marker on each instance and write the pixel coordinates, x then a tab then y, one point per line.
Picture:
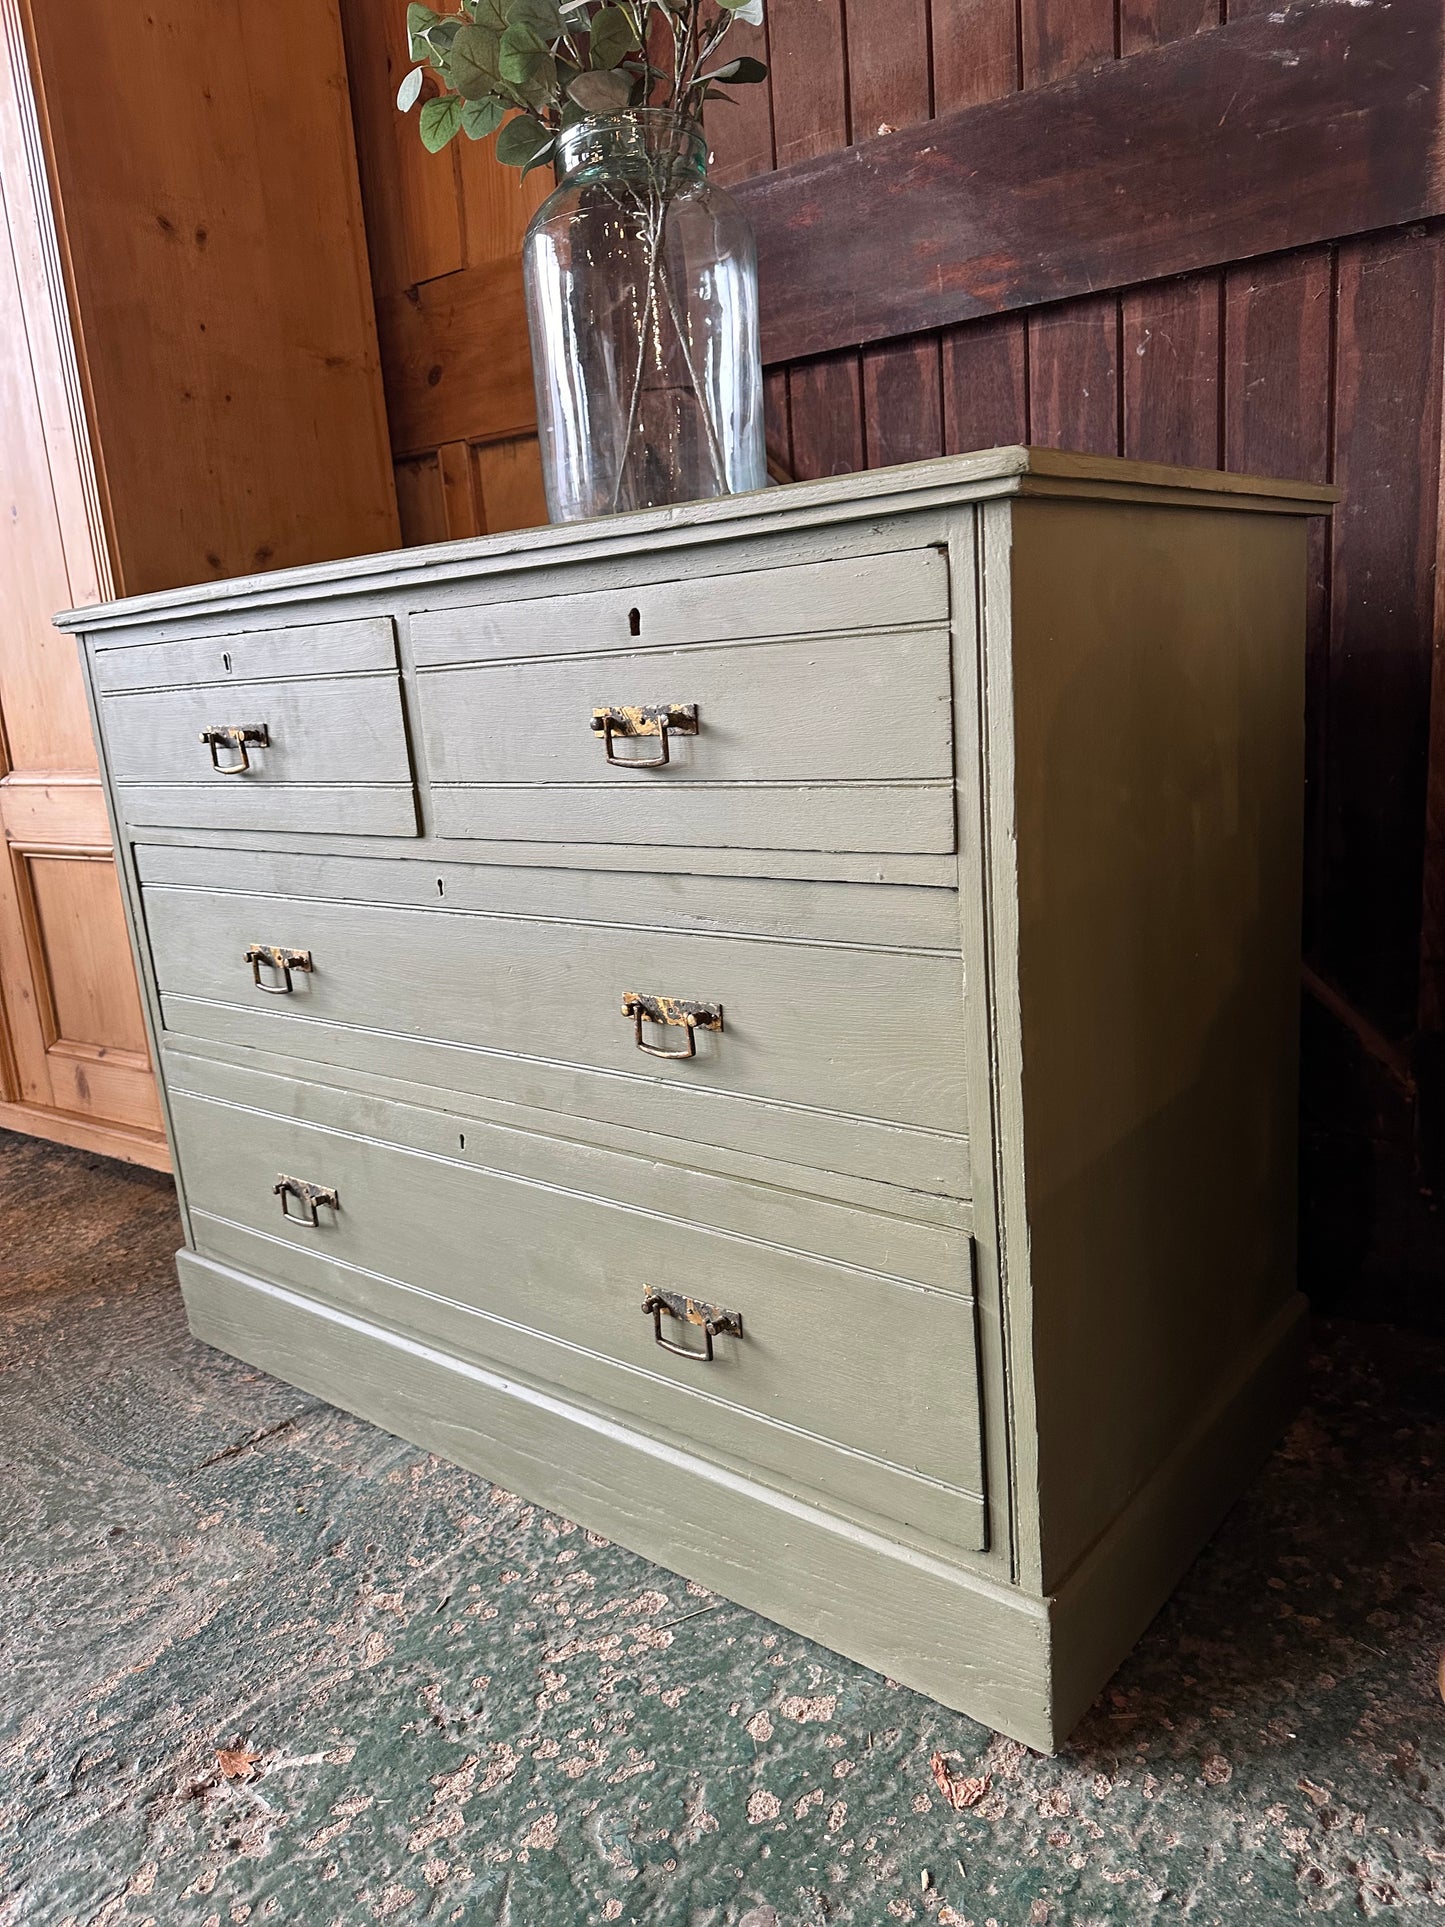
768	1027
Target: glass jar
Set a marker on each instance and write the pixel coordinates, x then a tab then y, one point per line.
642	300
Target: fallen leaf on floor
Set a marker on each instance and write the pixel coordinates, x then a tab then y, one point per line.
237	1763
958	1791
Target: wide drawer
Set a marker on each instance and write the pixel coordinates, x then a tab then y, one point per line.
848	1056
320	752
840	1379
790	709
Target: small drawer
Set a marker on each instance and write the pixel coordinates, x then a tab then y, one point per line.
791	709
844	1056
901	589
826	1375
303	753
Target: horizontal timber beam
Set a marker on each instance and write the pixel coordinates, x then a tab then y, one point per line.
1280	130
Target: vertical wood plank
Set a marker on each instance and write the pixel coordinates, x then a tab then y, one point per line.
1171	333
419	501
778	425
985	385
413	199
975	51
509	485
1278	344
1073	351
1171	372
742	134
1149	23
1387	461
1059	37
984	363
461	501
810	116
1073	348
888	80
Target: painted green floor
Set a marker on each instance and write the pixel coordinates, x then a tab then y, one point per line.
260	1662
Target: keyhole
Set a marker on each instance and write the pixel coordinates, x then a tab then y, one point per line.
461	1140
441	888
226	659
634	621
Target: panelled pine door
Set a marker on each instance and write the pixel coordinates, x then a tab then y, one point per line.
73	1059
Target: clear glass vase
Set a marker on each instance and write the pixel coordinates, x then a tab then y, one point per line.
642	299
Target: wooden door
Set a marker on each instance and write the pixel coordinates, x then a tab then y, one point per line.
73	1058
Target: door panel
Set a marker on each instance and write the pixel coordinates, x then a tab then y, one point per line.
73	1056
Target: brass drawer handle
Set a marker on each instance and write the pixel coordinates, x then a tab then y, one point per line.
662	720
670	1010
282	961
310	1196
691	1312
236	737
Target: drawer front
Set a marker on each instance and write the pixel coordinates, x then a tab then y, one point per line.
823	1050
249	655
851	1382
901	589
832	743
756	712
323	754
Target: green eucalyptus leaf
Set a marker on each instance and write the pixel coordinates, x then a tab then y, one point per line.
440	120
605	93
482	117
544	16
523	142
613	37
520	49
409	91
472	63
491	14
742	71
750	11
419	20
542	155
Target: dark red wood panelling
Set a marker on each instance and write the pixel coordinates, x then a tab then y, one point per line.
1387	460
1272	132
1278	352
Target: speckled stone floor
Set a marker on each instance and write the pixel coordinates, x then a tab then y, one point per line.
261	1662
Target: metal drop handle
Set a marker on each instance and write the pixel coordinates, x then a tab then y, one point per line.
675	1011
235	736
310	1197
282	961
712	1320
662	720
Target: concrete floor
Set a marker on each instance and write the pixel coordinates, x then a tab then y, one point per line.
261	1662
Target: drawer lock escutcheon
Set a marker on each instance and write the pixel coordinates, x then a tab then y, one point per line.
310	1197
235	737
281	962
662	720
690	1311
676	1011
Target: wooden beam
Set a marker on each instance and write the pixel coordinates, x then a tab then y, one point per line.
1279	130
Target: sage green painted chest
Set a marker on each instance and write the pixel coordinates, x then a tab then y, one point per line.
768	1027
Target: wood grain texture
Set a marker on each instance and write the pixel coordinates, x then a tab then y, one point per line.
1271	132
457	360
1277	382
73	1060
225	318
809	88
